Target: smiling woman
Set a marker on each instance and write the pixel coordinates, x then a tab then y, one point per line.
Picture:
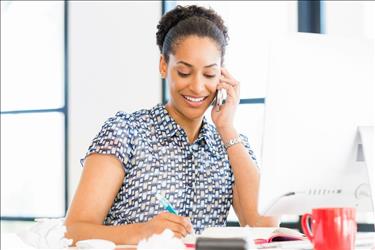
193	73
172	151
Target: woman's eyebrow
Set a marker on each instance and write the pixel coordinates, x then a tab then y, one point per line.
191	66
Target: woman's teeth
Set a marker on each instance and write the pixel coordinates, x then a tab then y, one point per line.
192	99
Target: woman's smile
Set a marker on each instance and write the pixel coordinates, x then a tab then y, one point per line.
195	101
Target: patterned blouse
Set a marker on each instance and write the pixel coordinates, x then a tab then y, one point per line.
157	157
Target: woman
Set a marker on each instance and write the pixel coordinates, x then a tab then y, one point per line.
171	150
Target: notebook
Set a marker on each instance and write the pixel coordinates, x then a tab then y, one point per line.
263	235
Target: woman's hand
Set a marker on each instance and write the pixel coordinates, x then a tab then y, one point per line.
224	118
179	225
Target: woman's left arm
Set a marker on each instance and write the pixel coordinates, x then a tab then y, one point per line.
246	185
246	174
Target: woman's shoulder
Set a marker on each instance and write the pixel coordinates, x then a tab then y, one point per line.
134	118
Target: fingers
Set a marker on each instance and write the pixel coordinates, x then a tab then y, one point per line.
177	219
229	83
226	73
231	91
177	228
178	235
178	223
228	78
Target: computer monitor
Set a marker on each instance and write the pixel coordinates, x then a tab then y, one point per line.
320	91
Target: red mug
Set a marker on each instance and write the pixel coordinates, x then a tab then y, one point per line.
331	228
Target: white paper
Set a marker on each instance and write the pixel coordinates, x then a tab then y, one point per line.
12	241
165	240
46	234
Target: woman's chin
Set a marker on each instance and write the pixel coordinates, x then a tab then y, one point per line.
194	113
187	109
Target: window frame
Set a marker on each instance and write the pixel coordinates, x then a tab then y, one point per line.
63	110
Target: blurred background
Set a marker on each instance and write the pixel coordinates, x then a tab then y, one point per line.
66	66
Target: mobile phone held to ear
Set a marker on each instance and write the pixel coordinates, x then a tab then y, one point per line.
221	96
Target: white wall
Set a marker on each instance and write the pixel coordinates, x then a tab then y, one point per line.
113	65
350	18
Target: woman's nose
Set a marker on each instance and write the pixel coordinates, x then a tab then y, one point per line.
197	85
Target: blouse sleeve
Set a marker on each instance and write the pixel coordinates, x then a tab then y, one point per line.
115	139
248	147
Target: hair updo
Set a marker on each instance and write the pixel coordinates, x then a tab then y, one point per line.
182	22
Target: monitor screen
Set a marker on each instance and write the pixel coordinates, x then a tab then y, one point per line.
320	90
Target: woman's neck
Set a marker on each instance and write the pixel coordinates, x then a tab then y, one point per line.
190	126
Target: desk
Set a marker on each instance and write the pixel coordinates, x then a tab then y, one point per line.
364	241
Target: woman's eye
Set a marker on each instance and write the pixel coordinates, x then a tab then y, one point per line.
182	74
210	76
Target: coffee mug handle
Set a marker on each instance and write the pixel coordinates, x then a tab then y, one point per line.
306	227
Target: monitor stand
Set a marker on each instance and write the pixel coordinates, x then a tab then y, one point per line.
356	190
366	152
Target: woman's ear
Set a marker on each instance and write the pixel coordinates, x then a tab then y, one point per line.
163	67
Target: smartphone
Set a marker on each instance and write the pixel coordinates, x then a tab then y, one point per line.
221	96
219	100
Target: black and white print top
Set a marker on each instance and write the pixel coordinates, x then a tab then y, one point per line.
157	157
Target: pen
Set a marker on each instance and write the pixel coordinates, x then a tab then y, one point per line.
166	204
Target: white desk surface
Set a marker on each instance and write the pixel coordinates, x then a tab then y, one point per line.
364	241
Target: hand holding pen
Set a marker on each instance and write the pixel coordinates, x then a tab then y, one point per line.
165	203
179	225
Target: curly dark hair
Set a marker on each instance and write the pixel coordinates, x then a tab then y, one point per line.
184	21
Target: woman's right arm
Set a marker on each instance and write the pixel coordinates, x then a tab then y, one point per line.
100	182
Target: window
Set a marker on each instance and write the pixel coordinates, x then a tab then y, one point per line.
33	109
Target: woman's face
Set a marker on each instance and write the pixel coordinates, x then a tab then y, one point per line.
192	73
